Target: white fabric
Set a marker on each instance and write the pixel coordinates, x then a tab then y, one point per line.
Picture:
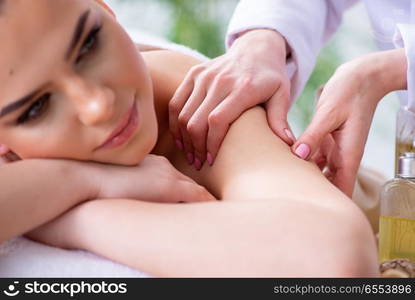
21	257
307	26
405	37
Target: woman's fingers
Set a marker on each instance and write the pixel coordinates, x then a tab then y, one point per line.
192	192
277	110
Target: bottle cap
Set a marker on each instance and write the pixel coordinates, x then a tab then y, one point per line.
406	165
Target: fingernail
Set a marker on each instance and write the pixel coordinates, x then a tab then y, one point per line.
209	159
198	164
190	158
289	134
179	144
302	151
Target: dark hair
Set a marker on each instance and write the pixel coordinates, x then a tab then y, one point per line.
1	5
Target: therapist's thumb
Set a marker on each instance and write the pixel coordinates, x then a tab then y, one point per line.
277	110
310	141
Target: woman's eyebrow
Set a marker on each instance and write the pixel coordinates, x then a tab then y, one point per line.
17	104
78	32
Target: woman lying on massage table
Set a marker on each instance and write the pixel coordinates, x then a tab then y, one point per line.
75	91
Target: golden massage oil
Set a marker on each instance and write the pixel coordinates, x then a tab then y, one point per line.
397	239
397	213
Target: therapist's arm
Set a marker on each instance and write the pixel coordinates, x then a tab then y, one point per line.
264	36
306	26
337	135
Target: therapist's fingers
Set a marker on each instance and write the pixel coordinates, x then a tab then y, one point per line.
222	117
322	156
277	110
325	121
348	155
197	126
194	101
345	177
178	101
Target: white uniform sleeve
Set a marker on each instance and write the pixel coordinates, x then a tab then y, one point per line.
305	24
405	37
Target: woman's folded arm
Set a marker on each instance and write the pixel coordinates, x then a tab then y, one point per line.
250	238
35	191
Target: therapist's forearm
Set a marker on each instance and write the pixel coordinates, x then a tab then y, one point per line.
35	191
266	41
394	70
386	71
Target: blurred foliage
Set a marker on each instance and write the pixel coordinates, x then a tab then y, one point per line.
195	24
327	62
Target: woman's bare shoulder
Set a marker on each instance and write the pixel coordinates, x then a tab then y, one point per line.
167	69
173	64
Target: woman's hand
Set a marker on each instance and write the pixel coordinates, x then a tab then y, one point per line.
336	137
53	186
216	93
154	179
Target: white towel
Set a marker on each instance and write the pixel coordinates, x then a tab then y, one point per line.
21	257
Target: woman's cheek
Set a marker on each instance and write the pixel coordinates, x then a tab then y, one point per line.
46	147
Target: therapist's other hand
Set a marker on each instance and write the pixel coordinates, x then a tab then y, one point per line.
216	93
337	135
154	180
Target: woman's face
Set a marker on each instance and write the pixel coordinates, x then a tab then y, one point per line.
72	84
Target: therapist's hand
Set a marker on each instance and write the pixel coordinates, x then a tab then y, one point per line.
337	135
216	93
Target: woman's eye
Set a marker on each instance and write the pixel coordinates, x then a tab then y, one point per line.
36	110
89	43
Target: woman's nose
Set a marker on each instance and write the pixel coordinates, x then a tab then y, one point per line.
94	104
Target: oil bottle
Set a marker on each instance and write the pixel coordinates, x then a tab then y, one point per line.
405	133
397	212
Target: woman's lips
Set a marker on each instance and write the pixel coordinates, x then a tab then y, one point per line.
124	131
